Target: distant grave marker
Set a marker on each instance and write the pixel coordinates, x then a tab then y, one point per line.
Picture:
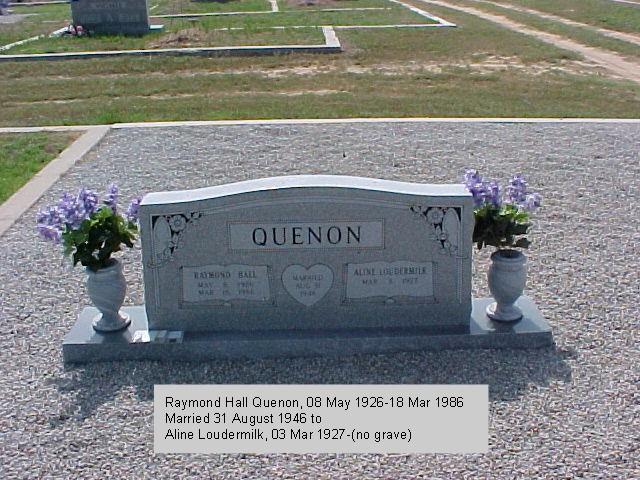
127	17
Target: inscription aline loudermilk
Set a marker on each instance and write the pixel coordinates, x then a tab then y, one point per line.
389	279
308	252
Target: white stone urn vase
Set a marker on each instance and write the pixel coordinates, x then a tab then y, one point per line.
107	288
507	278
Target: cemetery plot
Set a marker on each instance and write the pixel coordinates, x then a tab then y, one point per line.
480	69
189	24
181	35
40	20
176	7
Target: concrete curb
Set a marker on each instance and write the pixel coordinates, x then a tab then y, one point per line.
50	128
207	52
312	121
29	194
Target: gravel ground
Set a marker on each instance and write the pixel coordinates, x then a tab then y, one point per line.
564	412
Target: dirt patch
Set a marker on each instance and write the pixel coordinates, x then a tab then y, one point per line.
285	93
313	3
189	37
482	63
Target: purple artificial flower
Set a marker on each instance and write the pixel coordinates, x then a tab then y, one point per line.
72	211
476	186
532	201
484	192
89	201
472	177
493	193
50	224
111	199
133	209
517	190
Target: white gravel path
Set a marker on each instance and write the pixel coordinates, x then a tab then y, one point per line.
567	412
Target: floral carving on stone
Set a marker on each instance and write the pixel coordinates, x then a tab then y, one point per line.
444	226
168	235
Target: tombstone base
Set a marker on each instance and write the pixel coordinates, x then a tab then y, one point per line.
83	344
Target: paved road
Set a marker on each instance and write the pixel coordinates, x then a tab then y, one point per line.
564	412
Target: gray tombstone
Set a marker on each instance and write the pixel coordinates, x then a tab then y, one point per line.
308	252
127	17
305	265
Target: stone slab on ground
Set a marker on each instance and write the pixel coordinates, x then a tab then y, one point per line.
566	411
137	342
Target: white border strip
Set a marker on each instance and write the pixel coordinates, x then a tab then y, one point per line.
204	51
422	13
20	42
265	12
312	121
330	38
25	197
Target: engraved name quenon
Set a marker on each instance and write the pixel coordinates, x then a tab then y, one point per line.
292	234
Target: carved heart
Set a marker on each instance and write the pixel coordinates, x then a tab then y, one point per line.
307	285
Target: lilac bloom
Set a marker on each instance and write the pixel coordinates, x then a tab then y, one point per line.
493	193
134	207
111	199
472	177
517	190
50	224
88	200
476	186
72	211
532	201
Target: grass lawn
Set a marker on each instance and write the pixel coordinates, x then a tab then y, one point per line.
584	35
173	7
22	155
206	31
41	20
600	13
477	69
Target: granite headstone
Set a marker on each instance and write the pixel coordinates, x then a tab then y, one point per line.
308	252
305	265
127	17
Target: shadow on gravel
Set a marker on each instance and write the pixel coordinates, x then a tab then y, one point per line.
509	373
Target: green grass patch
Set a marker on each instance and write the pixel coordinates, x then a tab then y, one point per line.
182	35
42	20
600	13
210	31
23	155
387	72
583	35
173	7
